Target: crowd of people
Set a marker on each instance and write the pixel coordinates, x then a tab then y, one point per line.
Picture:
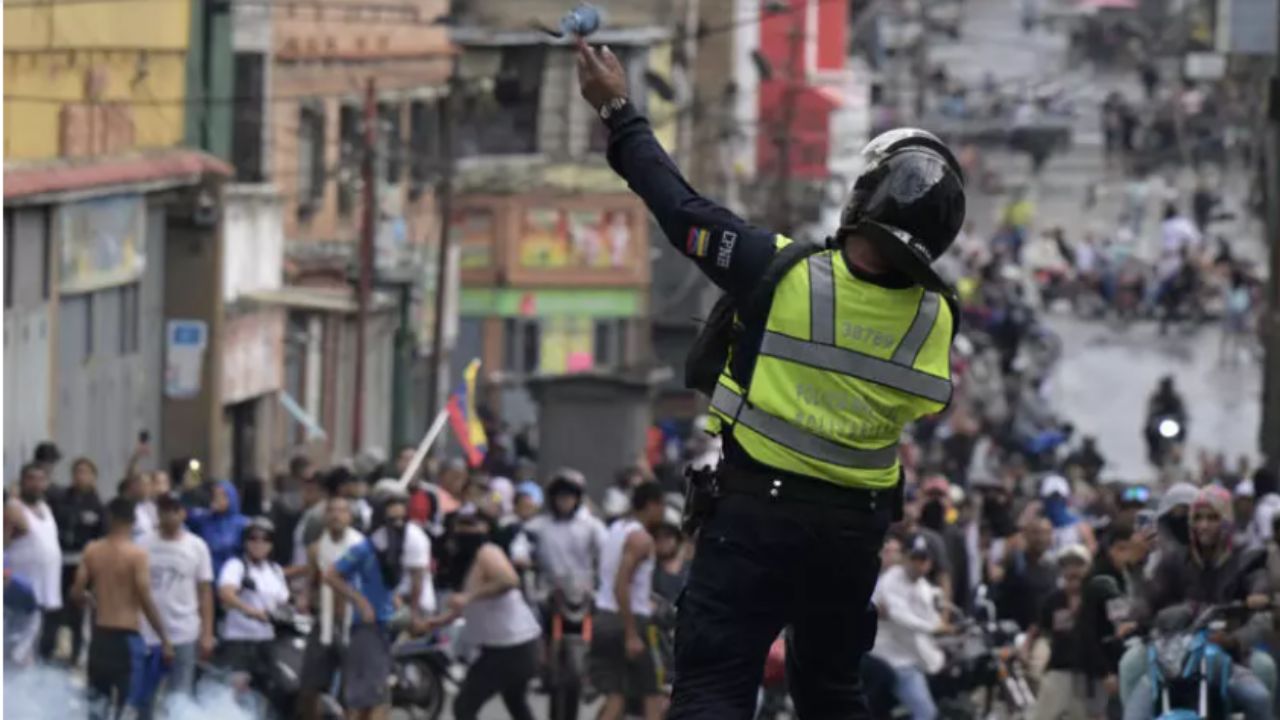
147	590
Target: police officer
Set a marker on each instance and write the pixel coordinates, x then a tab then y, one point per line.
853	346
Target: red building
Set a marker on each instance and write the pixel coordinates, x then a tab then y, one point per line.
805	47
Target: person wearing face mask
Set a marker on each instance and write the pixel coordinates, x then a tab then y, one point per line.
939	515
568	537
498	622
250	588
1068	527
370	576
1173	523
1211	571
287	508
221	525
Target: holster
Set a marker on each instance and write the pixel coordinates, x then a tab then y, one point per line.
701	492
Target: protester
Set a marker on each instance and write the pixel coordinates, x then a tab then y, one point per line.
368	576
672	568
497	621
322	656
1066	692
182	588
1068	527
909	620
287	508
1027	574
250	588
32	551
622	660
116	571
1208	571
568	537
221	525
81	518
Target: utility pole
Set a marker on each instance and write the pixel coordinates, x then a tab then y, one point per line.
1270	437
782	135
439	366
920	60
688	80
368	227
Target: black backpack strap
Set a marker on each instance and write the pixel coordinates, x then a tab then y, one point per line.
754	315
757	307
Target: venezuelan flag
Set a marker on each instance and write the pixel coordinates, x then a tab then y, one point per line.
465	420
697	242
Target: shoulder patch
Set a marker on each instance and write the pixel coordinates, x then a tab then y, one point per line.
698	242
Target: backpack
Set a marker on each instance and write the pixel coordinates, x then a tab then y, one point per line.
727	323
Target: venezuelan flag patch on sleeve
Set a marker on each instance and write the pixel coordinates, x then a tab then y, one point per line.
698	242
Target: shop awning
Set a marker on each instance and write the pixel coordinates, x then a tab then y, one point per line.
34	182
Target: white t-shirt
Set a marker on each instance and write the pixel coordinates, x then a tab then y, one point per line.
269	593
144	521
177	566
416	556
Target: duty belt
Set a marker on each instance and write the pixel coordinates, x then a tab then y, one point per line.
797	490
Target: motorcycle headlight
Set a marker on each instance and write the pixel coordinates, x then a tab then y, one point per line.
1169	429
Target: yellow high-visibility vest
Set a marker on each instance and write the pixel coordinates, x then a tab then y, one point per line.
844	366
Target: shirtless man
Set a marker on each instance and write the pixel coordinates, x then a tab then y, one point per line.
116	570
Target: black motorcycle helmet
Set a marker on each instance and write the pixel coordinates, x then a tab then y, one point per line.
909	201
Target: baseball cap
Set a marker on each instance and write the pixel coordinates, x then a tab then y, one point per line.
171	500
1244	489
919	547
1055	485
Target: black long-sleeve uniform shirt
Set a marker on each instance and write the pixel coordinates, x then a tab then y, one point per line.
733	253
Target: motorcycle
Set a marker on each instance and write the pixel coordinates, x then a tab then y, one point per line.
419	671
1189	674
570	611
982	658
1164	431
275	691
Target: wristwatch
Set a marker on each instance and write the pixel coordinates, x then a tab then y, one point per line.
612	107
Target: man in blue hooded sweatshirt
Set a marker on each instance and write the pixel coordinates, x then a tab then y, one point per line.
220	525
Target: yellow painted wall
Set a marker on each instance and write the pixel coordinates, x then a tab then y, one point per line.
139	48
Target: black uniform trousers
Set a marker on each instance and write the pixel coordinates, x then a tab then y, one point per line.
762	565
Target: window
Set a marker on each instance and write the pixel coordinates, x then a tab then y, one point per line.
129	318
247	123
391	141
311	170
506	121
610	343
425	154
349	136
635	61
523	345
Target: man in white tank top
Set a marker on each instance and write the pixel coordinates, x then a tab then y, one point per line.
623	659
32	551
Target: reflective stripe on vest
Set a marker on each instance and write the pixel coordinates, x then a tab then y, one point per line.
822	353
781	431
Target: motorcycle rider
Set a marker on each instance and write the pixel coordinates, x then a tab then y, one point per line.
568	541
250	587
1165	404
1211	571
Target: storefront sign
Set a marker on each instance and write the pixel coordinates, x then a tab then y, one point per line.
185	343
102	242
513	302
252	355
473	233
553	239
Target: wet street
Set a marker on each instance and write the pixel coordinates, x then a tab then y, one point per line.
1107	373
